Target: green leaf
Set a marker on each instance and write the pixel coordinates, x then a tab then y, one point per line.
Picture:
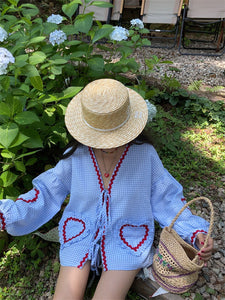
30	71
34	139
8	133
146	42
26	118
20	139
70	8
7	154
135	38
21	60
8	178
31	161
5	83
5	109
36	40
70	92
15	105
49	27
31	11
37	57
56	70
101	4
27	154
73	43
96	63
83	23
37	82
104	31
19	165
59	61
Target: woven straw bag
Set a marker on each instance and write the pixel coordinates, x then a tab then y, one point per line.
176	264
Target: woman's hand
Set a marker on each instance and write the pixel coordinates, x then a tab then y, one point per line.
204	253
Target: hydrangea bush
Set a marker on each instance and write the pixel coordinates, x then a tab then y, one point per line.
44	62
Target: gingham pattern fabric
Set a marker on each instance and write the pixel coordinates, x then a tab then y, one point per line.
113	228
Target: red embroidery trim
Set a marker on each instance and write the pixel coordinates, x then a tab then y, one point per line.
96	169
64	229
141	242
3	221
83	261
103	253
96	234
117	168
195	233
31	200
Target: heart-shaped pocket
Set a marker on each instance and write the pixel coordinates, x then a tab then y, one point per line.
72	228
134	236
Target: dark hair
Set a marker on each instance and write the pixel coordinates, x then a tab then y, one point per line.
144	137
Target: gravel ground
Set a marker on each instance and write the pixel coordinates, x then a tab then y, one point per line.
186	68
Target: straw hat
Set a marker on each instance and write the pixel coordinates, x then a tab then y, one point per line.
106	114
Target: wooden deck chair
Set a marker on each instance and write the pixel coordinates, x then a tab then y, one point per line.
104	14
163	17
202	28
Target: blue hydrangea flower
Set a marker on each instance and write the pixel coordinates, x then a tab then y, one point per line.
6	57
119	33
137	23
57	37
3	34
56	19
152	110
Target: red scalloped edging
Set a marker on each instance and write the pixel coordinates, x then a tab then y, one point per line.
96	169
118	167
3	221
31	200
195	233
141	242
103	253
83	261
64	229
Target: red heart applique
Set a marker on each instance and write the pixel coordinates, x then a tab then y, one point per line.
75	228
140	243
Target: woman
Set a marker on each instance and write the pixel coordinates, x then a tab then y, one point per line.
118	187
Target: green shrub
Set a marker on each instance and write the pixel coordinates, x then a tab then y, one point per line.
42	76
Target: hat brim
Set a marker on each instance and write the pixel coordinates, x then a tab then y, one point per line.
106	139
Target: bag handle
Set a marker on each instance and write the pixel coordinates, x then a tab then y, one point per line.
211	216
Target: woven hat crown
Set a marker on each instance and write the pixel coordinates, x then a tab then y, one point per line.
105	104
106	114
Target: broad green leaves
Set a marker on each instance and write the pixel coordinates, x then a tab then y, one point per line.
83	23
70	8
53	62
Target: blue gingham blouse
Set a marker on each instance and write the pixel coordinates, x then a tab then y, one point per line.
114	227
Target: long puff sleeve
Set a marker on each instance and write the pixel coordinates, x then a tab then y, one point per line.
167	199
36	207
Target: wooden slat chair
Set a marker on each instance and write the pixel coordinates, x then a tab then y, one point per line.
202	28
163	17
104	14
